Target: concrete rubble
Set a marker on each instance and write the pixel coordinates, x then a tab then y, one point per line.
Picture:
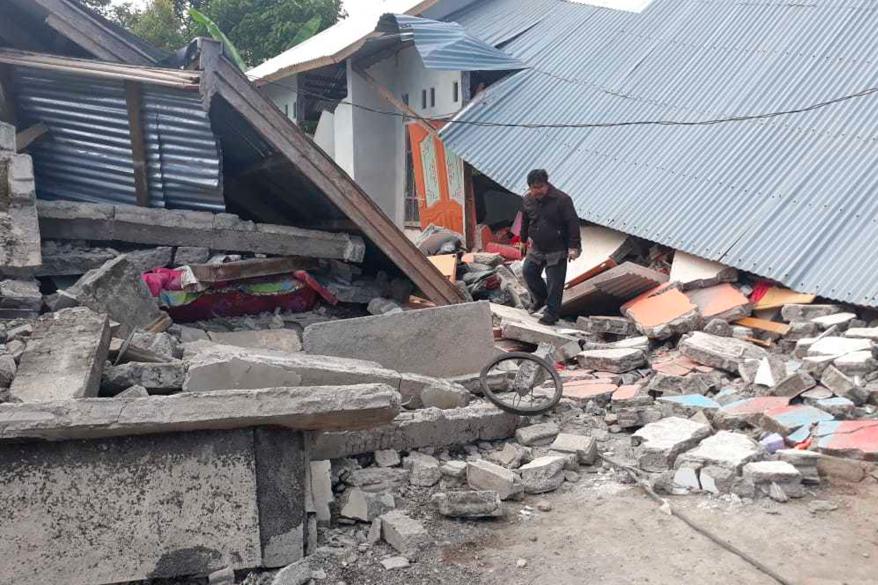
349	428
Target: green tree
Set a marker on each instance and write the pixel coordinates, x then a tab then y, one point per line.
260	29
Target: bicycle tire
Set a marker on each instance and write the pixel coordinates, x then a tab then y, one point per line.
501	404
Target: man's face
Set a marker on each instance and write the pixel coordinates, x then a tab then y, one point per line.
539	189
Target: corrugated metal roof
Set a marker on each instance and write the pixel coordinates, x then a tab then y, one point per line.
447	45
793	198
87	155
336	43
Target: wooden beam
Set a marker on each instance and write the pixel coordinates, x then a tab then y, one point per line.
30	135
469	207
398	104
134	102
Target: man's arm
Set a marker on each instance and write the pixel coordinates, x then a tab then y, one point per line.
525	221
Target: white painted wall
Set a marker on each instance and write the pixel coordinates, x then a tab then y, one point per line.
283	93
370	146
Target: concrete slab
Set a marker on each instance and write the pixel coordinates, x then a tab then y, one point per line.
663	313
722	301
430	427
837	346
64	357
286	340
19	227
807	312
724	449
487	476
725	353
581	391
612	360
216	502
536	334
444	341
661	442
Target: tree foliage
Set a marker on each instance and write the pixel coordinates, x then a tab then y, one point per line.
260	29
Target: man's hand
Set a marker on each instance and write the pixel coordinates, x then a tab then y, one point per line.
573	254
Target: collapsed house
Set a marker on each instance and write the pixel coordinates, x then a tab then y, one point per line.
178	384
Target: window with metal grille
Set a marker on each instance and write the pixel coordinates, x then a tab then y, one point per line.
412	214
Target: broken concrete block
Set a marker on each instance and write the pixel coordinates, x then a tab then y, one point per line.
722	301
429	427
162	344
387	458
20	299
694	272
837	406
612	360
689	404
224	576
64	357
285	340
209	490
536	334
543	474
841	385
8	368
541	434
607	325
870	333
835	346
486	476
718	327
20	242
395	563
724	353
661	442
511	456
792	313
404	534
445	396
163	378
858	363
686	479
838	320
298	573
364	506
724	449
186	255
151	258
801	330
529	373
117	290
804	461
771	471
454	469
220	367
663	313
717	480
444	341
585	448
690	384
481	504
857	439
320	489
377	479
423	469
793	385
772	369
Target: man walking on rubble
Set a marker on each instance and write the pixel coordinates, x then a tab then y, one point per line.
549	238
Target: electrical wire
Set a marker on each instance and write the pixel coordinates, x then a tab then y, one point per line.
586	125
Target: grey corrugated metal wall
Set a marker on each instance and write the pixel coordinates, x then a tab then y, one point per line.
792	198
87	154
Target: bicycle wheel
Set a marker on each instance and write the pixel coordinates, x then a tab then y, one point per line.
524	401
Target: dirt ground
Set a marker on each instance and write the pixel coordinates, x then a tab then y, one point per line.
599	531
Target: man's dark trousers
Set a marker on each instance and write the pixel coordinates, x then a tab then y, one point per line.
549	291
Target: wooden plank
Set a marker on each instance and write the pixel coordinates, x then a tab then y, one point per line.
327	176
255	268
134	103
469	208
778	296
447	265
764	325
30	135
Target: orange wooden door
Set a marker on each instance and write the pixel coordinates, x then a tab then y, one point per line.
439	180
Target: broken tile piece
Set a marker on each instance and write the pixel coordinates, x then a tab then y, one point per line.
857	439
787	419
659	314
722	301
582	391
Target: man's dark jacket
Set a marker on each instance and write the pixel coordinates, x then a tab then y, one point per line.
551	222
